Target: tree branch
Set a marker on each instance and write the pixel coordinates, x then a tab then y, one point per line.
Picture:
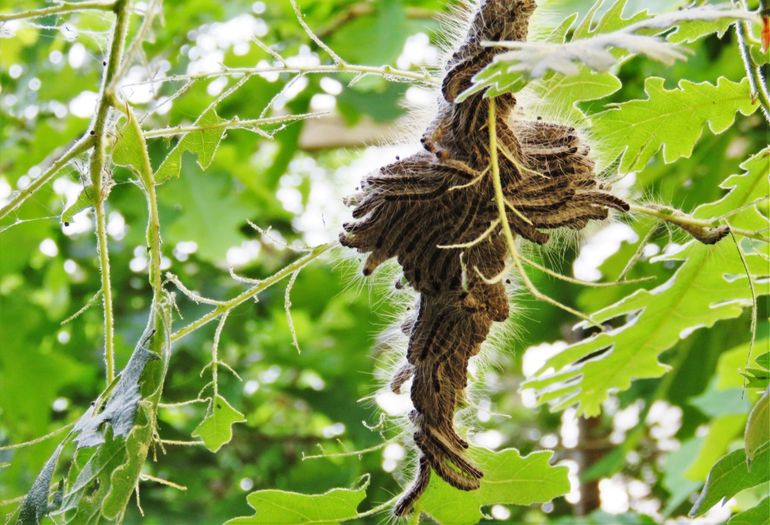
82	145
97	166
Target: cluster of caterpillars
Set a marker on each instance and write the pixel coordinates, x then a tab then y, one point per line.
435	212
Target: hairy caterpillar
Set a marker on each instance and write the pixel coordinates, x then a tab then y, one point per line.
435	212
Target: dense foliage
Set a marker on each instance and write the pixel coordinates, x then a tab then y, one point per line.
251	388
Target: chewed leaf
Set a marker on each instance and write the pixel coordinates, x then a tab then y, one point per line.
279	507
639	128
508	478
118	412
216	428
203	143
120	409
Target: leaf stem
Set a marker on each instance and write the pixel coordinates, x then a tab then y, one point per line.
82	145
753	72
507	233
244	296
690	224
97	167
60	8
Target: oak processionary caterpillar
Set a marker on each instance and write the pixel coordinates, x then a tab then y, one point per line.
435	212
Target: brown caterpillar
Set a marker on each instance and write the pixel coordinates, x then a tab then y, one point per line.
417	208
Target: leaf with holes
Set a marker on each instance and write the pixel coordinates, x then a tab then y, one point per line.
203	143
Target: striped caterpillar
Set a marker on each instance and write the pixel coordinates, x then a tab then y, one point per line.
435	212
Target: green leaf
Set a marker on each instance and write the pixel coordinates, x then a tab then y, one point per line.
508	478
279	507
727	419
669	119
210	212
758	426
203	143
127	149
709	286
716	403
561	93
216	429
763	360
759	515
84	200
731	475
377	39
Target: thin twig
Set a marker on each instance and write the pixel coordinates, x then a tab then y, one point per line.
161	481
180	443
367	9
753	304
37	440
138	40
58	9
581	282
215	353
185	403
234	123
97	168
639	251
320	43
246	295
347	454
83	308
197	298
287	308
391	73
